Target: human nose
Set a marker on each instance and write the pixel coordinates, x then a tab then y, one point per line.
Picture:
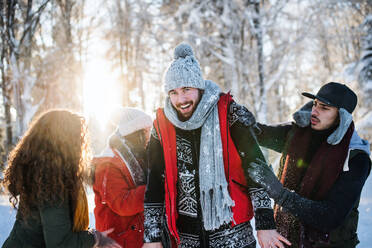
314	111
182	98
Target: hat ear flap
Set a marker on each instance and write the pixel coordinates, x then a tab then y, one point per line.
303	115
345	120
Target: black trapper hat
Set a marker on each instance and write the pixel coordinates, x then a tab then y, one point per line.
336	95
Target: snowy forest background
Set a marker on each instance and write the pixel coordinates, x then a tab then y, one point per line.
90	56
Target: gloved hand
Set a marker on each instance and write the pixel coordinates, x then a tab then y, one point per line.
102	241
262	173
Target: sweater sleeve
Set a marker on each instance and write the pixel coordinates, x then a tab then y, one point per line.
122	199
57	228
154	196
249	150
329	213
273	137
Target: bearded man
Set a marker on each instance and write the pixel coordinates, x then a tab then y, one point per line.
198	192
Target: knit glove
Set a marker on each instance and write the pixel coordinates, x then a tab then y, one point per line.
262	173
102	241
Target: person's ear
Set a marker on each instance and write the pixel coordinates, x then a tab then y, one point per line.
345	119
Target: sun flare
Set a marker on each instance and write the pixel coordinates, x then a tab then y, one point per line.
101	91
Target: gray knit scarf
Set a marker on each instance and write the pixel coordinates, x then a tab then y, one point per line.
215	200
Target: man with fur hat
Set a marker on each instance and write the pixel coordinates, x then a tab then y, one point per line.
119	183
198	193
322	171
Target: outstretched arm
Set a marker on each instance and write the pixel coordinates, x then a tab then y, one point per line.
273	137
327	213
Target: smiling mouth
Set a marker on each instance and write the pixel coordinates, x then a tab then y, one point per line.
185	106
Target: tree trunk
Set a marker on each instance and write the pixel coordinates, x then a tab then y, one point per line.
8	119
5	89
262	110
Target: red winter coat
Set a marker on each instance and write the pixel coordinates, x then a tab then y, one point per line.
119	203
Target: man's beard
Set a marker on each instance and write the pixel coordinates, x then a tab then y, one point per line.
181	116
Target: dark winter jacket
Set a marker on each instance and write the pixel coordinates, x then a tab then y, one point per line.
189	222
49	226
336	215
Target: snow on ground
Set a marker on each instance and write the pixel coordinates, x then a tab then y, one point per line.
7	216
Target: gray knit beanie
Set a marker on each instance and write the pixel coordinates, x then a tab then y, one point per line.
184	71
130	120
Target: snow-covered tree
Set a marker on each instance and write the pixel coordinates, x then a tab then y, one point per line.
231	40
20	20
365	77
365	74
67	30
128	36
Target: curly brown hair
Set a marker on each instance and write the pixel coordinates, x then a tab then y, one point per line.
49	163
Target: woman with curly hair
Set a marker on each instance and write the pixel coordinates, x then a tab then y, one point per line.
45	178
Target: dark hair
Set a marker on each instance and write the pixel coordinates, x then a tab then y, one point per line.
49	163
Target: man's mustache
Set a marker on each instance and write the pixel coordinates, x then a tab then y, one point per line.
313	116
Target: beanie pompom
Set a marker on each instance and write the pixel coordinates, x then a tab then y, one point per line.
182	51
184	71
